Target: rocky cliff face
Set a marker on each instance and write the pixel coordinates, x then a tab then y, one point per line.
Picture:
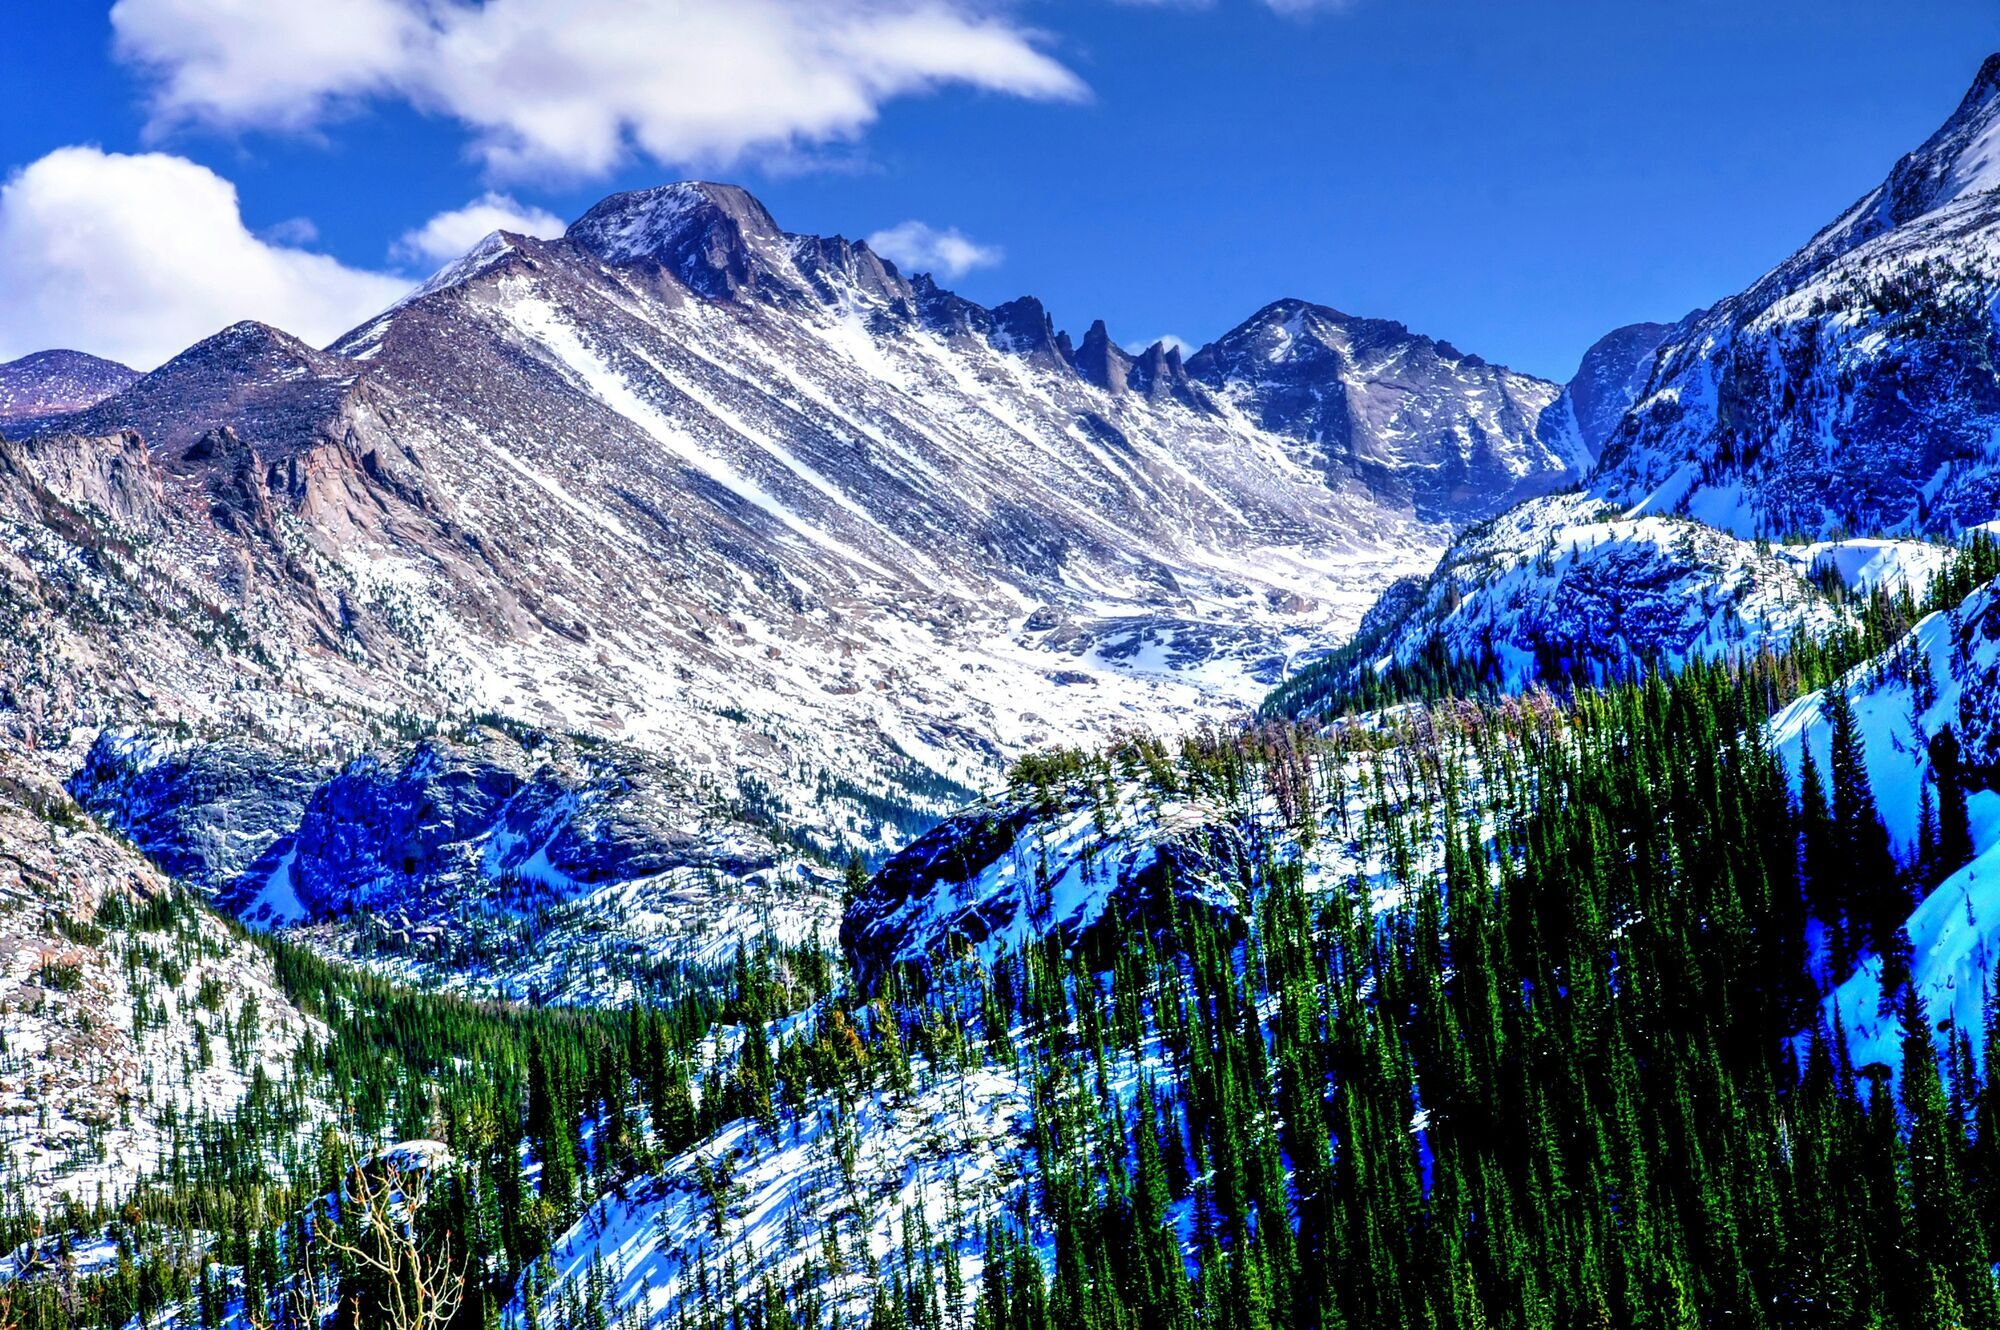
1026	865
487	859
1613	376
1853	389
491	859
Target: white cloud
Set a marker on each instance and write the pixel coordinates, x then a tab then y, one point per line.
273	65
570	88
137	257
916	247
1172	343
449	235
291	231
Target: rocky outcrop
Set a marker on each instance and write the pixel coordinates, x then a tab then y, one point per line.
112	476
1087	868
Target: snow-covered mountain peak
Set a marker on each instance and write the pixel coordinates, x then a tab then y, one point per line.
1961	159
1378	399
1283	332
492	249
641	223
1850	390
245	341
1974	134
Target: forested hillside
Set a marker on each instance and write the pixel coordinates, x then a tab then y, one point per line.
1467	1014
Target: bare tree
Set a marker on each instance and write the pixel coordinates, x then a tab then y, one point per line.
370	1226
380	1208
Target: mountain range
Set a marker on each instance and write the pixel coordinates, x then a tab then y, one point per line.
887	752
817	545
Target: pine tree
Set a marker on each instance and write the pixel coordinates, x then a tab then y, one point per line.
1954	822
1873	894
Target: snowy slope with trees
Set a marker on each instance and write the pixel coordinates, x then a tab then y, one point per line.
131	1021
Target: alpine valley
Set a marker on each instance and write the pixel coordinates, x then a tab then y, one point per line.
683	777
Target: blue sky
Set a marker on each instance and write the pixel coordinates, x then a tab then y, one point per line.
1516	177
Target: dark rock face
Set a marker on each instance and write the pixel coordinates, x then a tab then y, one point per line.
489	818
1155	373
716	240
452	821
996	876
41	387
203	812
1023	328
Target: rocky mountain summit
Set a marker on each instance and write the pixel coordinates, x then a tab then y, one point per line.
40	387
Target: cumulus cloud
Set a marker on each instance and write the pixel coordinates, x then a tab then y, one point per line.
570	88
916	247
449	235
136	257
276	66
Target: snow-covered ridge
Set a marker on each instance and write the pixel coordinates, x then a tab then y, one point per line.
1568	588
